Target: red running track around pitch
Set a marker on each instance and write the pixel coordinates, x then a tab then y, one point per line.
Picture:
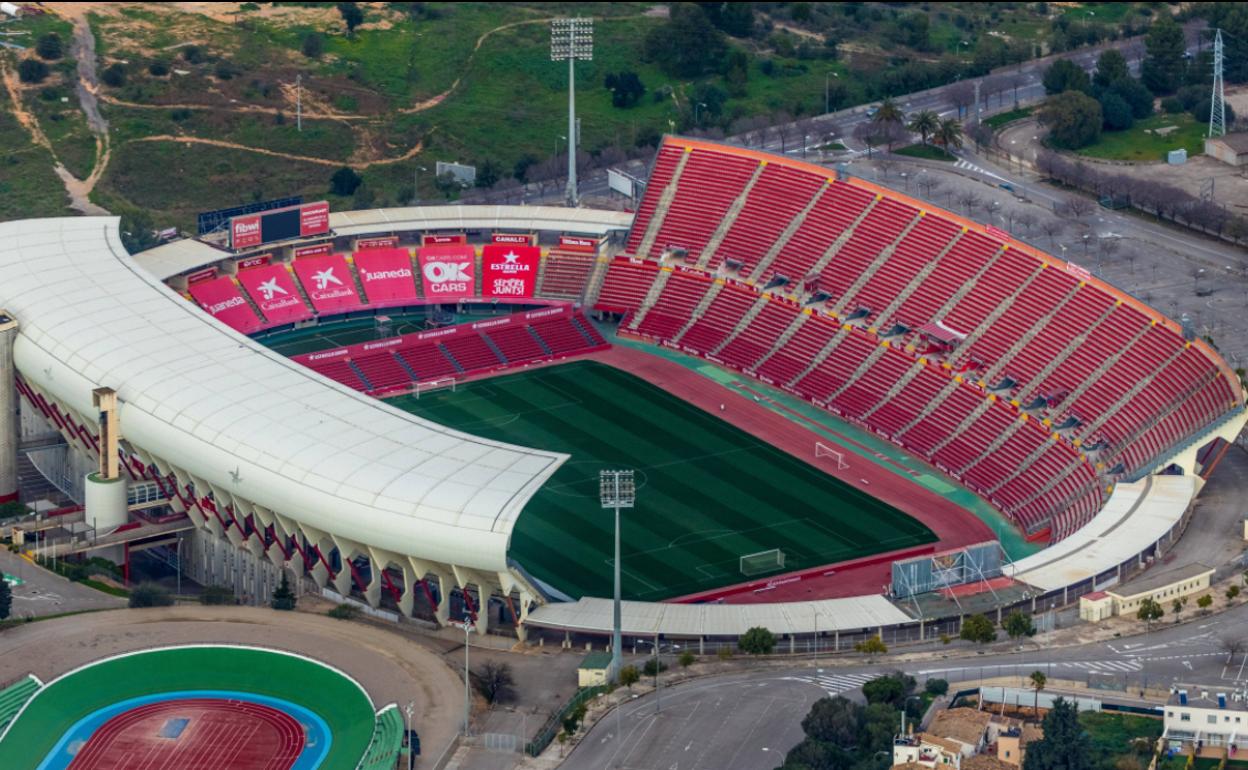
220	735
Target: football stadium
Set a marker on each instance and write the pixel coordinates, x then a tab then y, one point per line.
846	411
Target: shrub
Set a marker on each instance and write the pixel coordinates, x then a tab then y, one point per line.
32	71
194	54
1171	105
313	45
49	47
686	659
217	595
225	70
158	68
1232	592
873	645
150	595
724	653
114	75
629	676
180	114
344	611
495	682
978	628
757	641
653	667
1017	624
344	181
283	597
936	687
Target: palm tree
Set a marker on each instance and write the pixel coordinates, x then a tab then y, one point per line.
949	134
1038	681
925	122
889	112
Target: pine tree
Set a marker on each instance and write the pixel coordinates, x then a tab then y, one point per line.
1065	745
6	598
283	597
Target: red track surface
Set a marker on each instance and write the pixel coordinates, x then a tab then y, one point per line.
953	525
221	735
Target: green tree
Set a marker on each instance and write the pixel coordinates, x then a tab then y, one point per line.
1232	593
653	667
283	597
834	720
688	45
1135	94
217	595
1073	119
1038	681
114	75
1064	75
629	676
50	47
686	659
313	45
872	645
32	71
978	628
352	16
6	598
1204	603
1176	607
757	641
949	134
138	231
150	595
344	181
158	68
1111	67
1149	611
936	687
737	19
1018	624
626	88
889	112
1115	113
890	689
495	682
1065	745
924	122
488	174
1162	68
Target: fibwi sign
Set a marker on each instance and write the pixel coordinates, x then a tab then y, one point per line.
245	232
509	271
446	271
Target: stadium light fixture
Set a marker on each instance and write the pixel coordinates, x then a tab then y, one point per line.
572	40
616	490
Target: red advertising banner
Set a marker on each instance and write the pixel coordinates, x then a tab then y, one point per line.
314	218
509	271
389	242
387	277
245	232
328	283
201	275
446	271
224	302
436	239
519	239
274	292
447	332
257	261
312	251
574	243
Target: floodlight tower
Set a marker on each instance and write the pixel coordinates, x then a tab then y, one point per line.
1217	103
572	40
616	489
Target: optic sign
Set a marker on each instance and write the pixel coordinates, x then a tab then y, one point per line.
279	225
274	292
387	277
312	251
313	219
519	239
446	271
509	271
201	275
433	240
573	243
224	302
389	242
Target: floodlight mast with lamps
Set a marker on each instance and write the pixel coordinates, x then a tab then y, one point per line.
572	40
616	490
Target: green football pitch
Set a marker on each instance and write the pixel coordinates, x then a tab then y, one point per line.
708	493
54	710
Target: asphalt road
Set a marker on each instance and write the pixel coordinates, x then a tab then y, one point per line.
747	721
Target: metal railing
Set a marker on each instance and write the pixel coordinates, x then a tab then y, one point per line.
550	728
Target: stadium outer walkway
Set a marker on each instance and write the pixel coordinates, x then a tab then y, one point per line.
390	667
953	525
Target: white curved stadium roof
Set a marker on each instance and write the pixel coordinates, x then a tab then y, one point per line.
244	419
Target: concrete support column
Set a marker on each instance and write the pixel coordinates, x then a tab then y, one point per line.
106	509
407	602
8	410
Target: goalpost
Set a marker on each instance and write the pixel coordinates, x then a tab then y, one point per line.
445	383
762	562
823	450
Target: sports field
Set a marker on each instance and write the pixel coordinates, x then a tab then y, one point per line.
708	493
49	717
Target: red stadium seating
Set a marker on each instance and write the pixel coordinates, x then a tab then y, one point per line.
566	273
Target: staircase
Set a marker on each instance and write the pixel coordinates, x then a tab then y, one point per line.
585	335
784	337
966	423
303	294
866	364
1131	393
250	302
652	296
932	406
1099	372
359	287
730	217
822	355
447	353
1025	340
997	442
745	321
540	282
898	386
1025	464
360	373
882	319
991	319
495	349
660	208
785	235
403	365
842	238
594	285
545	348
1060	358
875	265
967	287
1154	419
699	310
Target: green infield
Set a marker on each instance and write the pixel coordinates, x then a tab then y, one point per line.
337	700
708	493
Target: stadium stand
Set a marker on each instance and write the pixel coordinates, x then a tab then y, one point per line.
1015	373
566	273
387	742
13	697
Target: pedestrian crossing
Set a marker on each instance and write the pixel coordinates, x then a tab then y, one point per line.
1126	665
968	166
834	684
838	683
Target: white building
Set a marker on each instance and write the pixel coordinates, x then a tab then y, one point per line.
1201	717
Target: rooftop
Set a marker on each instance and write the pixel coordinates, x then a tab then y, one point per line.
1237	142
596	660
1152	580
1206	698
986	762
965	725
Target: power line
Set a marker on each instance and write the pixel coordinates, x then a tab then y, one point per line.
1217	103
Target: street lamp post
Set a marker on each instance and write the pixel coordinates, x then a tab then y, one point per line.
416	184
572	40
616	490
411	706
696	105
467	624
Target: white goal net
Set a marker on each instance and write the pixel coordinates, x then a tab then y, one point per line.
446	383
762	562
823	450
